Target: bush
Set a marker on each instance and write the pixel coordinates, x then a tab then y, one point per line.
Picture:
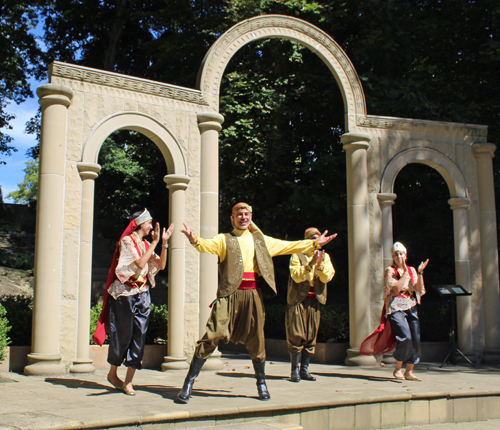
17	260
19	311
4	329
95	311
158	324
334	322
435	320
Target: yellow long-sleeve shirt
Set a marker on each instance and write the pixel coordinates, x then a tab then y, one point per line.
217	246
300	273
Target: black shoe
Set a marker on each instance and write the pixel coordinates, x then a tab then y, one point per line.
194	370
304	367
295	359
260	375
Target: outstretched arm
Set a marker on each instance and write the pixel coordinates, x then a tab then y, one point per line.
324	239
189	234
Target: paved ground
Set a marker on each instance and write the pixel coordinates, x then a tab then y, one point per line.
87	401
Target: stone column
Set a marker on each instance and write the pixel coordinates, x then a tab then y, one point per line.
386	200
209	125
356	145
459	206
82	363
177	185
484	153
45	358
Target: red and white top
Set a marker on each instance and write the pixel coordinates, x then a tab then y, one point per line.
407	298
131	278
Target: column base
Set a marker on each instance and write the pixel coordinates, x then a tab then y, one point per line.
214	362
44	364
355	359
491	356
388	359
82	366
174	363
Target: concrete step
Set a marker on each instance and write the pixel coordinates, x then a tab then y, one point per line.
267	424
478	425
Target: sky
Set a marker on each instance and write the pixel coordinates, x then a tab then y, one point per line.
12	173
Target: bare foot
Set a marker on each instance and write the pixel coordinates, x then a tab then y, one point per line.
115	381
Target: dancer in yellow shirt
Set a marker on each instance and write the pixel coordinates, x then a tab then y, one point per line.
246	275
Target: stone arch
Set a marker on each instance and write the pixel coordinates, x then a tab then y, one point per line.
279	26
145	124
459	204
447	168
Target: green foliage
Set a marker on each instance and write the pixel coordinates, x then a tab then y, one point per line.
4	329
19	310
130	180
95	311
334	322
158	323
19	61
17	260
28	189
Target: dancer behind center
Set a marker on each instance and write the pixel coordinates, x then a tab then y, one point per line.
309	274
245	255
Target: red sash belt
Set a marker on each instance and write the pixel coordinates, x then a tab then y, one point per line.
250	281
311	294
135	283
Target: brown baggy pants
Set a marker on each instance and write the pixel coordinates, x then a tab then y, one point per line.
302	324
238	318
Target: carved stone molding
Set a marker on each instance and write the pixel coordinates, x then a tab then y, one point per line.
124	82
407	124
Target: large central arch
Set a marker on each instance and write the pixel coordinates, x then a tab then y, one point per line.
279	26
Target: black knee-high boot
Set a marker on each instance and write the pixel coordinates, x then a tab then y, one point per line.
260	375
194	370
304	367
295	359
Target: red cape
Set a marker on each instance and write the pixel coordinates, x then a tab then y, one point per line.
100	334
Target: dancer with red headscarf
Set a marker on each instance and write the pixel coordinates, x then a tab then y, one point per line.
127	302
245	257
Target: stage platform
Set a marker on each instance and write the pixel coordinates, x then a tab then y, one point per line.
342	398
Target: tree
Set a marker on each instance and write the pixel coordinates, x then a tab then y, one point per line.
20	55
28	189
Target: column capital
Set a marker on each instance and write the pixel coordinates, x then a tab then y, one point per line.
459	203
179	182
484	149
210	121
88	170
50	94
356	140
386	199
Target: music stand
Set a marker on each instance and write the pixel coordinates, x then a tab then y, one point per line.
451	292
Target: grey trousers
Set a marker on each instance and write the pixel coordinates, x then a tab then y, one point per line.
127	326
406	327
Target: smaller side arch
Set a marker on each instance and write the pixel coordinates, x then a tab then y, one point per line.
174	156
446	167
